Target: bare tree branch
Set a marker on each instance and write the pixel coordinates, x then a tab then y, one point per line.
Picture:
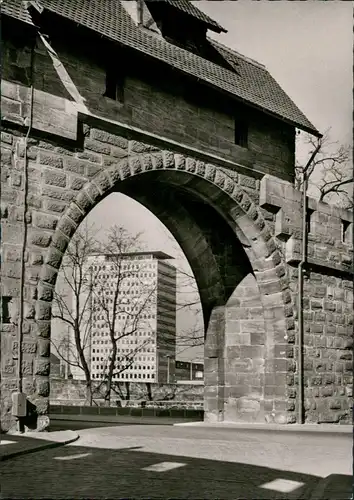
331	174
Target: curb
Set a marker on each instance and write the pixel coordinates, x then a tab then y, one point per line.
328	488
44	446
317	428
120	420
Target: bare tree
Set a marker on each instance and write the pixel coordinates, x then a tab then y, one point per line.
331	173
71	306
93	301
123	306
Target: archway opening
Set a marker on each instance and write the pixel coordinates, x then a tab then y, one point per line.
236	268
210	262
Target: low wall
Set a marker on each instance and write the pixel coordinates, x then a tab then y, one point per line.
127	411
72	392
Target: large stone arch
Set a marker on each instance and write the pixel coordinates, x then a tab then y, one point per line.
242	225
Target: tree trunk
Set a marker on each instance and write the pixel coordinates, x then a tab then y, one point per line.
89	398
127	388
148	391
110	373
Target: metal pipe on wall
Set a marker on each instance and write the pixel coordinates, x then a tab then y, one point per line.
301	288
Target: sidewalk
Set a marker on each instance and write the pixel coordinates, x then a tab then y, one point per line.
325	428
13	445
120	419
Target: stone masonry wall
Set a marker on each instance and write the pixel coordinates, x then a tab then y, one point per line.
58	173
205	122
64	391
245	344
66	151
328	300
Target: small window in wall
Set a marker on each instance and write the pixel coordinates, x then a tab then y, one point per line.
346	231
241	132
5	309
309	221
114	85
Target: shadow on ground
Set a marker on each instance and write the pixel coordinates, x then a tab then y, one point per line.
57	424
79	425
130	473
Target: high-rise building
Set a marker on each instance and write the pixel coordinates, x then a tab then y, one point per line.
141	288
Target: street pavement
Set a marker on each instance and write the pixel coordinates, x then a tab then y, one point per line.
160	461
59	422
12	445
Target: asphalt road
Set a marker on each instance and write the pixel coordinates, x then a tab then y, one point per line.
60	425
160	461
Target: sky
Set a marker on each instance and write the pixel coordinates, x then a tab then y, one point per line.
307	47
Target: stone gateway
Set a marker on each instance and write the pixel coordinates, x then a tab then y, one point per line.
105	97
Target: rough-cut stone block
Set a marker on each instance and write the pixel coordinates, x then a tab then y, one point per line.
43	388
84	202
54	258
115	140
43	329
42	367
44	347
42	405
26	347
93	192
45	292
65	195
45	221
27	367
76	183
49	274
76	166
135	164
51	160
40	239
88	155
54	178
97	147
43	310
67	226
103	182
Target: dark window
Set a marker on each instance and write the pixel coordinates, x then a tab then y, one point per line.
5	306
114	86
345	231
309	228
241	133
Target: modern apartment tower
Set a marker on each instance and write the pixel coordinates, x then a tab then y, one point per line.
145	324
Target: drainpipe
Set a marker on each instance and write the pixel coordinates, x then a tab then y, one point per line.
19	399
301	285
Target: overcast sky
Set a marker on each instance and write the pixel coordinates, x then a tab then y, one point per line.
306	46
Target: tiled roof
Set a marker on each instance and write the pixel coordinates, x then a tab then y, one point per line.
250	82
188	8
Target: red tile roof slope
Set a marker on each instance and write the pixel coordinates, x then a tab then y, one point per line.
250	82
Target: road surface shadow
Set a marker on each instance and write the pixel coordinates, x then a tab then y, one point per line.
131	473
64	424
